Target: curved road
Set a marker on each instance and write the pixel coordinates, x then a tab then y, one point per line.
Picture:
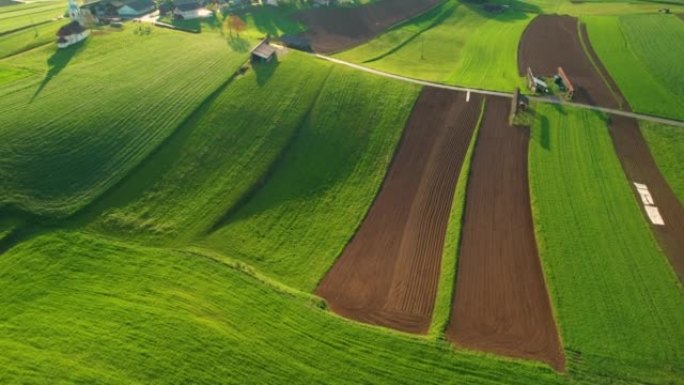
541	99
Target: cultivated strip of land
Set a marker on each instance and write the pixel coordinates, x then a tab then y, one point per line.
501	304
388	273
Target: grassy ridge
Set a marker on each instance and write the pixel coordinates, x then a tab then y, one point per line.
217	156
643	55
300	220
90	113
455	43
667	147
618	303
78	309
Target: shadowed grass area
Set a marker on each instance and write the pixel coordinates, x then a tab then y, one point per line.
296	224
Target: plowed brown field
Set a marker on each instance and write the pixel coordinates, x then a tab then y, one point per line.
640	167
501	304
388	273
552	41
336	29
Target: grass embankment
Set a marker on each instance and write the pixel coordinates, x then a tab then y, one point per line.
667	147
643	55
75	308
217	156
456	43
299	221
90	113
619	305
452	242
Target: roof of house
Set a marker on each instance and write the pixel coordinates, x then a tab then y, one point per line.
191	6
70	29
263	50
140	5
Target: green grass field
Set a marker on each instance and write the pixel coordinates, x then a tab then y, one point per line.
643	55
456	43
18	16
618	303
299	221
667	147
88	114
78	309
27	39
216	157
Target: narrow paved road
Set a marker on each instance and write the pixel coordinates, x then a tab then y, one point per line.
541	99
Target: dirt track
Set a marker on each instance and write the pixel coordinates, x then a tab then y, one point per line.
552	41
336	29
640	167
501	304
388	273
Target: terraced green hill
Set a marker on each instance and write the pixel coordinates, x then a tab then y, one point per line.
87	115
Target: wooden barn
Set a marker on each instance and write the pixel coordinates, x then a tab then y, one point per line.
263	53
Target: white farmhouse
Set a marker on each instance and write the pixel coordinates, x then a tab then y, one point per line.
73	32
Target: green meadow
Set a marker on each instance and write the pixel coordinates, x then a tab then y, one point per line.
618	303
214	158
296	224
643	55
90	113
667	147
456	43
22	15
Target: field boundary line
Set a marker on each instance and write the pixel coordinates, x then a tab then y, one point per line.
541	99
441	314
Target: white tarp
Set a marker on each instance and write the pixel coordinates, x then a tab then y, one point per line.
649	204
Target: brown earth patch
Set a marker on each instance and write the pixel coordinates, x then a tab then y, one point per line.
336	29
388	274
501	303
552	41
640	167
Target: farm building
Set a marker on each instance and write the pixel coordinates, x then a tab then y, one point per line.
73	32
190	10
136	8
263	53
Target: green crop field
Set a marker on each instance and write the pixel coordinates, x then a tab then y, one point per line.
26	39
325	182
667	147
216	157
20	16
90	113
167	209
78	309
456	43
643	55
619	304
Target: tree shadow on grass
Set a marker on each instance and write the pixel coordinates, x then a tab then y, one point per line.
238	44
56	63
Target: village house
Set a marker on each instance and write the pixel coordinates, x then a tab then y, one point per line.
73	32
189	10
136	8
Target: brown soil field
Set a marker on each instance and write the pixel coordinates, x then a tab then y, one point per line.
501	304
335	29
388	273
552	41
640	167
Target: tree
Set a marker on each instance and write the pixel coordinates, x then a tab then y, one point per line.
235	23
